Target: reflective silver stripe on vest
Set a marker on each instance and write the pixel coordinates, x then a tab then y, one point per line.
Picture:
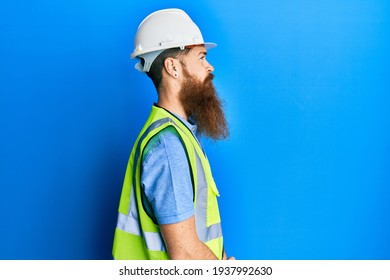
153	240
128	224
213	231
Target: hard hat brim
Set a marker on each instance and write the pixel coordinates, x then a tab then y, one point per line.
208	45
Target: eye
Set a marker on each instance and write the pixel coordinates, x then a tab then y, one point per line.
202	55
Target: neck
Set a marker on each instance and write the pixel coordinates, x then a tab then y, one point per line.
173	107
168	98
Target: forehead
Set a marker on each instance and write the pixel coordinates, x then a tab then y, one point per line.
196	50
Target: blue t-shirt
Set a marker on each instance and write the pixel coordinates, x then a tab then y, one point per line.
166	177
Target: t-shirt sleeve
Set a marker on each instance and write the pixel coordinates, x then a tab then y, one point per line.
166	178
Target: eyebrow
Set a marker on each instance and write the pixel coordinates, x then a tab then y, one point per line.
203	52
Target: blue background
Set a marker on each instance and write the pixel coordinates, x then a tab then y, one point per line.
305	174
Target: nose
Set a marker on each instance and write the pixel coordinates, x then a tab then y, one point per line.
209	67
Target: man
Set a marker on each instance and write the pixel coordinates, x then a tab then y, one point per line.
168	207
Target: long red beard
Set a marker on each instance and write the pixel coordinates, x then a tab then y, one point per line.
201	102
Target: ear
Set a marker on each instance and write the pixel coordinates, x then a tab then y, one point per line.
171	66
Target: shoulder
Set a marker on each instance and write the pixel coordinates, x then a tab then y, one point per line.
167	141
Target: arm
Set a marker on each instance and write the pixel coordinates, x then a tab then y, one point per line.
183	242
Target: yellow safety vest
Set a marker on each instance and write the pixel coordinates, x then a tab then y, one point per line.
137	237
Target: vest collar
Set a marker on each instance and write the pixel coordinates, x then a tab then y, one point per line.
190	123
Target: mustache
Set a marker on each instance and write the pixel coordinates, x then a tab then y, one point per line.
209	78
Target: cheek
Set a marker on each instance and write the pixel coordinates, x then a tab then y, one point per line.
201	73
197	73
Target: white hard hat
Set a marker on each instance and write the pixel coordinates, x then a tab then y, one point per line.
165	29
